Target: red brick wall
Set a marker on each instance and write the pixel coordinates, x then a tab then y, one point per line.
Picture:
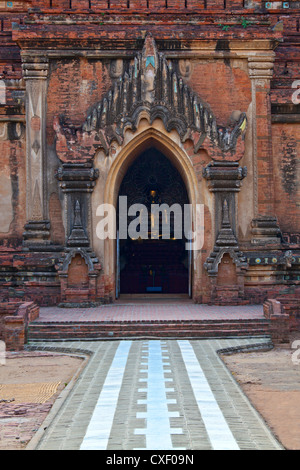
227	272
14	319
264	151
74	86
78	273
56	220
286	151
138	4
13	166
222	86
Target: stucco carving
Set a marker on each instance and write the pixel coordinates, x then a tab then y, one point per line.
151	89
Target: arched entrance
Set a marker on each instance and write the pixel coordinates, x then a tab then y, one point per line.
150	137
153	259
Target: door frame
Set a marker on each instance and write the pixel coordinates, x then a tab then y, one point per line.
150	137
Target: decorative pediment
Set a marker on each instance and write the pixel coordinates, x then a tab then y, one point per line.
151	88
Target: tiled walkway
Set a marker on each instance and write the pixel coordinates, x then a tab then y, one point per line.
156	394
155	311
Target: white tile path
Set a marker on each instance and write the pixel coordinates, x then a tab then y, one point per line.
99	429
158	430
219	433
154	394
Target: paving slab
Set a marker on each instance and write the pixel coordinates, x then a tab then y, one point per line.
155	395
151	311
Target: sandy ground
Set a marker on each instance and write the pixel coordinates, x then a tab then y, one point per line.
271	380
30	382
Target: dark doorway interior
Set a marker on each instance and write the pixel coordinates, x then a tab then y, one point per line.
151	266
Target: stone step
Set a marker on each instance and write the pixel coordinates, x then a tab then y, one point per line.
158	329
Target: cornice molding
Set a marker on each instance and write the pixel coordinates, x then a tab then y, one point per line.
35	67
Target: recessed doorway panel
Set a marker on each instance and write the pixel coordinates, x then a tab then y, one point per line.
158	263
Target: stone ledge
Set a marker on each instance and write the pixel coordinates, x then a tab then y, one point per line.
14	320
279	321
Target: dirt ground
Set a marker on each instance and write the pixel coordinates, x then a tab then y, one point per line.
30	382
271	380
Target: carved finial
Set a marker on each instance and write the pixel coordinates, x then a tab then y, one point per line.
225	220
149	53
37	212
78	236
77	218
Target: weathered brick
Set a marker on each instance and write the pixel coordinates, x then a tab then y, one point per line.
206	50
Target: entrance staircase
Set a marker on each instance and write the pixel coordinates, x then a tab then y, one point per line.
122	326
156	329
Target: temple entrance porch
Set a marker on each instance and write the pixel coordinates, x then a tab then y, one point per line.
135	317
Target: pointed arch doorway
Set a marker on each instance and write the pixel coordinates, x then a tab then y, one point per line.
157	261
151	136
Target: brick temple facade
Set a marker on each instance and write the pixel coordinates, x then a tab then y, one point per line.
192	102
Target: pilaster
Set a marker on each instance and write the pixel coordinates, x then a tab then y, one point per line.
261	72
77	182
224	180
37	228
